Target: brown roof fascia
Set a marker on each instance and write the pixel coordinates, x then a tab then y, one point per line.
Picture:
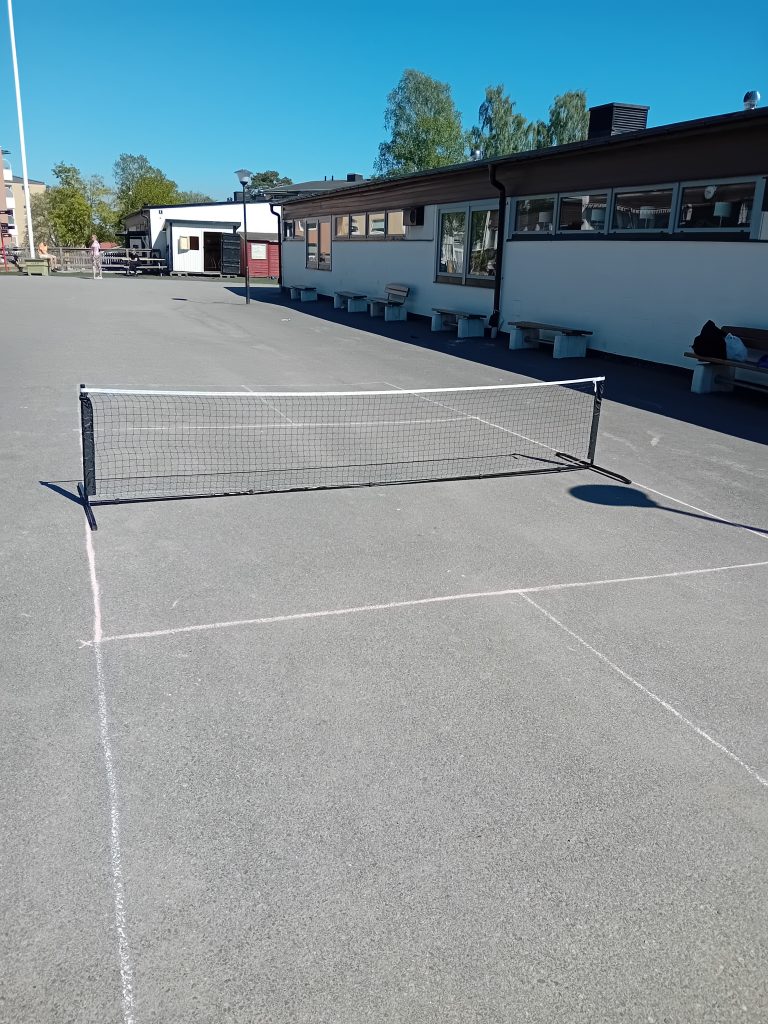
729	144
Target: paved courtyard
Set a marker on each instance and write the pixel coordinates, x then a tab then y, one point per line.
472	751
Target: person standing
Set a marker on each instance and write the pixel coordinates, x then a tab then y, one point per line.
96	257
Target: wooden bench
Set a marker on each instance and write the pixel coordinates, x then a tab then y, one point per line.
720	374
353	302
392	305
302	292
567	342
36	268
468	325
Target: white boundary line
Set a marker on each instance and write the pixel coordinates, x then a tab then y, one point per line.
339	394
651	695
444	599
710	515
115	856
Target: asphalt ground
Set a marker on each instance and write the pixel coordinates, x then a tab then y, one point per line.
480	751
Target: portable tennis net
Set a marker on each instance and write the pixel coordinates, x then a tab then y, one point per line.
143	445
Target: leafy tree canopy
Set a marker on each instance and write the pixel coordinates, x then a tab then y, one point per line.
265	180
501	130
424	126
138	184
193	197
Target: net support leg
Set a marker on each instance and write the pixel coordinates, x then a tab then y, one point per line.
589	462
87	507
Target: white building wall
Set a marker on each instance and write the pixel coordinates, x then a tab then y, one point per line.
647	300
642	299
187	261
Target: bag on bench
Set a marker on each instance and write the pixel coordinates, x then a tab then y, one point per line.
736	348
710	343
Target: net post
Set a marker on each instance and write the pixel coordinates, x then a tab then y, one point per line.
86	434
595	421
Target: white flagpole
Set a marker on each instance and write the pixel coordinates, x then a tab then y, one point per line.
25	176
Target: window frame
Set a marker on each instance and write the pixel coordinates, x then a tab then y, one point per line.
668	186
464	279
317	221
514	233
750	231
573	194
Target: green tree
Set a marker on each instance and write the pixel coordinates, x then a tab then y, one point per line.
42	224
501	130
424	125
138	184
263	181
193	197
568	118
101	202
68	209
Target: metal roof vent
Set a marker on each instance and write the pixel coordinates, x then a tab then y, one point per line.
751	99
615	119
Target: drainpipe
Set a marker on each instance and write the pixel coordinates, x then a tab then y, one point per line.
279	245
494	321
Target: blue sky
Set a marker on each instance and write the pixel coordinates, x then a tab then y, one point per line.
202	90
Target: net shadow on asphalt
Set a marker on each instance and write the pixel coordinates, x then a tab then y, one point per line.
630	497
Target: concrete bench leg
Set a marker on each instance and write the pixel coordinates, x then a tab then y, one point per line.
357	305
708	378
308	294
339	302
295	293
376	308
470	327
517	339
392	313
438	323
569	347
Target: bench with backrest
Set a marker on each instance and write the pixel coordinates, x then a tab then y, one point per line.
353	302
467	325
392	305
302	292
720	374
567	342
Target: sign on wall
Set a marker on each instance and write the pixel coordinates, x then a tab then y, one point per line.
258	250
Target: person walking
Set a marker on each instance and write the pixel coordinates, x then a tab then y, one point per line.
96	257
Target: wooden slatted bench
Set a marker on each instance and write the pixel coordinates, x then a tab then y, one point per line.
720	374
392	305
567	342
353	302
302	292
468	325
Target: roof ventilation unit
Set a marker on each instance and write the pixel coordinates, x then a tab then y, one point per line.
751	99
615	119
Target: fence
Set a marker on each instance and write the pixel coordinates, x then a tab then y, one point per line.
74	260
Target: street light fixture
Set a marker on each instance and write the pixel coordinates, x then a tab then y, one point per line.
244	176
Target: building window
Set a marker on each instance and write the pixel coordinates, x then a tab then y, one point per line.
395	224
341	227
319	244
312	245
717	206
452	231
642	211
536	214
377	225
483	237
324	258
582	213
357	225
293	230
194	243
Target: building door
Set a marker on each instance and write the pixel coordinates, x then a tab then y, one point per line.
273	259
212	251
230	255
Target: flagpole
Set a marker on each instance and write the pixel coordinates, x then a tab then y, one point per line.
24	175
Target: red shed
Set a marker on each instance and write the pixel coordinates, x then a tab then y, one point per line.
263	254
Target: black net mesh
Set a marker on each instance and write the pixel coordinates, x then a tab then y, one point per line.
160	444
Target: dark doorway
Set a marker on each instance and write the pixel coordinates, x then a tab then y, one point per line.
212	252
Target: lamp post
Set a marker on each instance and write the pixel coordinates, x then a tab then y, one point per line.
244	176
